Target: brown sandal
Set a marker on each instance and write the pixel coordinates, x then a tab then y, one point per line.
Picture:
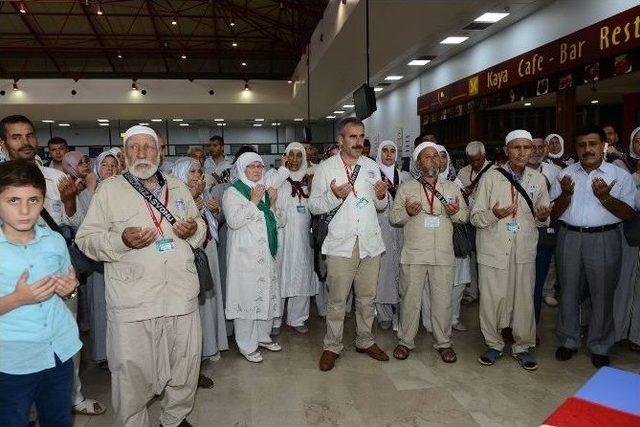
447	355
401	352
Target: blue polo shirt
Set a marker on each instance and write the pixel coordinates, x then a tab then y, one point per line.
32	335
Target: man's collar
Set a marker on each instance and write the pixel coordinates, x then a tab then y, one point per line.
604	167
41	231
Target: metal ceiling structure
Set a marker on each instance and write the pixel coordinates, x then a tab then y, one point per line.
189	39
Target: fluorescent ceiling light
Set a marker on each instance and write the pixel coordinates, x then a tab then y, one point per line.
64	125
257	125
218	120
48	121
156	120
338	112
298	119
393	78
348	106
419	62
527	104
177	120
103	120
331	117
184	124
378	89
103	124
258	120
453	40
143	124
595	101
491	17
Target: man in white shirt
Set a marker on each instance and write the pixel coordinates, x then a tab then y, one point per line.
591	198
350	183
217	165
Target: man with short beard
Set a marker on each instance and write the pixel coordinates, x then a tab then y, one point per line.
511	202
154	331
426	209
58	147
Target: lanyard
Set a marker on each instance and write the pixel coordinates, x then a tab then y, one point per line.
514	200
433	196
348	173
157	222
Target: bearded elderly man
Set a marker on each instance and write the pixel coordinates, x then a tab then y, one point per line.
511	202
154	336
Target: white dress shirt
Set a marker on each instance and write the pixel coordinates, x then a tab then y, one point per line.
53	202
550	171
585	210
357	218
210	166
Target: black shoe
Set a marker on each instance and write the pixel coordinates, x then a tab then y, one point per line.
599	360
184	423
563	353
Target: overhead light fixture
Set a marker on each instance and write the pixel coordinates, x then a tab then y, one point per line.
119	55
244	64
348	106
103	120
419	62
156	120
184	124
103	124
174	21
177	120
258	120
378	89
593	101
257	125
48	121
183	56
527	104
331	117
134	86
143	124
338	112
454	40
15	85
298	119
23	8
99	10
393	78
289	81
232	22
246	85
64	125
274	124
491	17
234	44
220	124
218	120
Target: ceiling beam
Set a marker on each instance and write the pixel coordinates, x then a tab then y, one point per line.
157	35
35	35
145	75
98	38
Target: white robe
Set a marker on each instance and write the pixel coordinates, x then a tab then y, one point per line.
214	331
253	289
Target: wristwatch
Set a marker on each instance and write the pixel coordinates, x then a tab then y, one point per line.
71	295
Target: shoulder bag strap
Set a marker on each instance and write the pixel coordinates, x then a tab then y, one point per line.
149	197
334	211
518	187
439	195
476	180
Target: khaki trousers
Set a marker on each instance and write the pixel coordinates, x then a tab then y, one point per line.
342	272
439	282
506	300
149	357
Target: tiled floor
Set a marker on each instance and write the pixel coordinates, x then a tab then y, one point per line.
287	389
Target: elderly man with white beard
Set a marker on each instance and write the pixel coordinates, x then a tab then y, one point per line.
154	335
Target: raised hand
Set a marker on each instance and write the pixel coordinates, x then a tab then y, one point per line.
257	193
543	212
413	208
381	188
341	191
36	292
273	195
67	188
601	189
185	228
503	212
567	185
212	204
66	284
139	237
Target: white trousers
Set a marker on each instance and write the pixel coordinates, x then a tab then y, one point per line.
250	332
297	311
385	312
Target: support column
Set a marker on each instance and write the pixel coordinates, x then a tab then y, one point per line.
630	116
566	117
475	126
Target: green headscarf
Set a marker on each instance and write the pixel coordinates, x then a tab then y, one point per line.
269	217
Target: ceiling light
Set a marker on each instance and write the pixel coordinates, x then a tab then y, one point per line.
331	117
274	124
156	120
393	78
99	10
64	125
594	101
134	86
338	112
184	124
218	120
220	124
246	86
453	40
244	64
119	55
183	56
143	124
298	119
527	104
177	120
378	89
258	120
289	81
348	106
174	21
491	17
257	125
15	85
103	124
234	44
23	8
232	23
48	121
419	62
103	120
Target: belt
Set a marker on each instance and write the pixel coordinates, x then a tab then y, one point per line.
598	229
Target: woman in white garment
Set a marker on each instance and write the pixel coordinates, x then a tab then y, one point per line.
387	292
556	151
297	276
462	266
253	289
214	334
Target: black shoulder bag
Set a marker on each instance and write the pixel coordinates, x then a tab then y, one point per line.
199	256
470	229
320	229
462	245
546	235
82	264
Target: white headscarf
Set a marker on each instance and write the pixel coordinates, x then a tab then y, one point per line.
300	173
98	161
561	152
633	152
448	174
181	168
241	164
388	171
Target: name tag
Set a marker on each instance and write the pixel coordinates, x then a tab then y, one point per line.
513	226
301	209
165	245
431	221
362	203
551	230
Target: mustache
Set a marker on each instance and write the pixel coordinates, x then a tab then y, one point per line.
358	147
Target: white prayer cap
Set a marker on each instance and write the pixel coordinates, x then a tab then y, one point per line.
422	146
517	134
139	130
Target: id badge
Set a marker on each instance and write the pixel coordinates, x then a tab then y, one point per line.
432	221
56	206
301	209
165	245
361	203
513	226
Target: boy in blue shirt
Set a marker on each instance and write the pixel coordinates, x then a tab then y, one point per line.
38	334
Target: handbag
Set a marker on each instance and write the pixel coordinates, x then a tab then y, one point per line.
199	256
320	229
81	263
462	245
632	230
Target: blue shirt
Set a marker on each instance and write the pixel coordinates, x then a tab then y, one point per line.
32	335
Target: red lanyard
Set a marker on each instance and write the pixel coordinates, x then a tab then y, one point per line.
433	196
471	175
514	200
158	221
346	171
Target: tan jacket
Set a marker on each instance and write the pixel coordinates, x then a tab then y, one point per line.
142	283
493	241
422	245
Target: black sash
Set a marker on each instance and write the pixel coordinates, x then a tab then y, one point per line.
518	187
393	187
149	197
352	180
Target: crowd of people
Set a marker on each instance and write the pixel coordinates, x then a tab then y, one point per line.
356	234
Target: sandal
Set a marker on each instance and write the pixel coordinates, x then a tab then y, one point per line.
526	360
401	352
489	357
255	357
271	346
204	381
447	355
89	407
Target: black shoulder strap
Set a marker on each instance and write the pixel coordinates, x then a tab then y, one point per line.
334	211
476	180
50	221
396	177
439	195
149	197
518	187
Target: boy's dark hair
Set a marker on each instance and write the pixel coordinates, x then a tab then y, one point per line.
21	173
10	120
587	130
57	140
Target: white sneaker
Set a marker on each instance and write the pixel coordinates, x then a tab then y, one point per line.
459	327
271	346
551	301
255	357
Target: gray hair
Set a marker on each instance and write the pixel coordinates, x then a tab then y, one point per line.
348	121
474	148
